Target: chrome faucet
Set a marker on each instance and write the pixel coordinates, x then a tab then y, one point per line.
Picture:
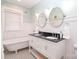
61	34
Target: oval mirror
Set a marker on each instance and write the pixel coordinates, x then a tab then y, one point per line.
56	17
42	20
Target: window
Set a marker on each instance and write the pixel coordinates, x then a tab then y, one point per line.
13	20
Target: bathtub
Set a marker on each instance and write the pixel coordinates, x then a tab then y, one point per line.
16	44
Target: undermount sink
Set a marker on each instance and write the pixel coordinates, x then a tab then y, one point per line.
50	37
44	36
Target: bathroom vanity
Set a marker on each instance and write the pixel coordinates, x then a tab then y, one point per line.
51	48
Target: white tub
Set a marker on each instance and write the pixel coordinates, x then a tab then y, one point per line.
15	44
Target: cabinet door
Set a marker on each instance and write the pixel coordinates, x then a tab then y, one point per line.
39	45
56	50
34	43
42	46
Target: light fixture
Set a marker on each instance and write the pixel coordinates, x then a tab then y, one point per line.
37	14
18	0
47	11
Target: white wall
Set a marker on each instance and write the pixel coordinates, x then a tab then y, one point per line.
68	6
70	49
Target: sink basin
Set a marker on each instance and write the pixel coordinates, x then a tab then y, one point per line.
52	38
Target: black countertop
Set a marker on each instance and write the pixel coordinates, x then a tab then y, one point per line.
43	37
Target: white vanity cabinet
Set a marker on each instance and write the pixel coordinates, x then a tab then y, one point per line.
48	48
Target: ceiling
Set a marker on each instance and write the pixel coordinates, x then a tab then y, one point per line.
23	3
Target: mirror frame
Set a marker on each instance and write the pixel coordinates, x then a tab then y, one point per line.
45	18
52	13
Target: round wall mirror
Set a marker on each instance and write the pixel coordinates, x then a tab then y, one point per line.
42	20
56	17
